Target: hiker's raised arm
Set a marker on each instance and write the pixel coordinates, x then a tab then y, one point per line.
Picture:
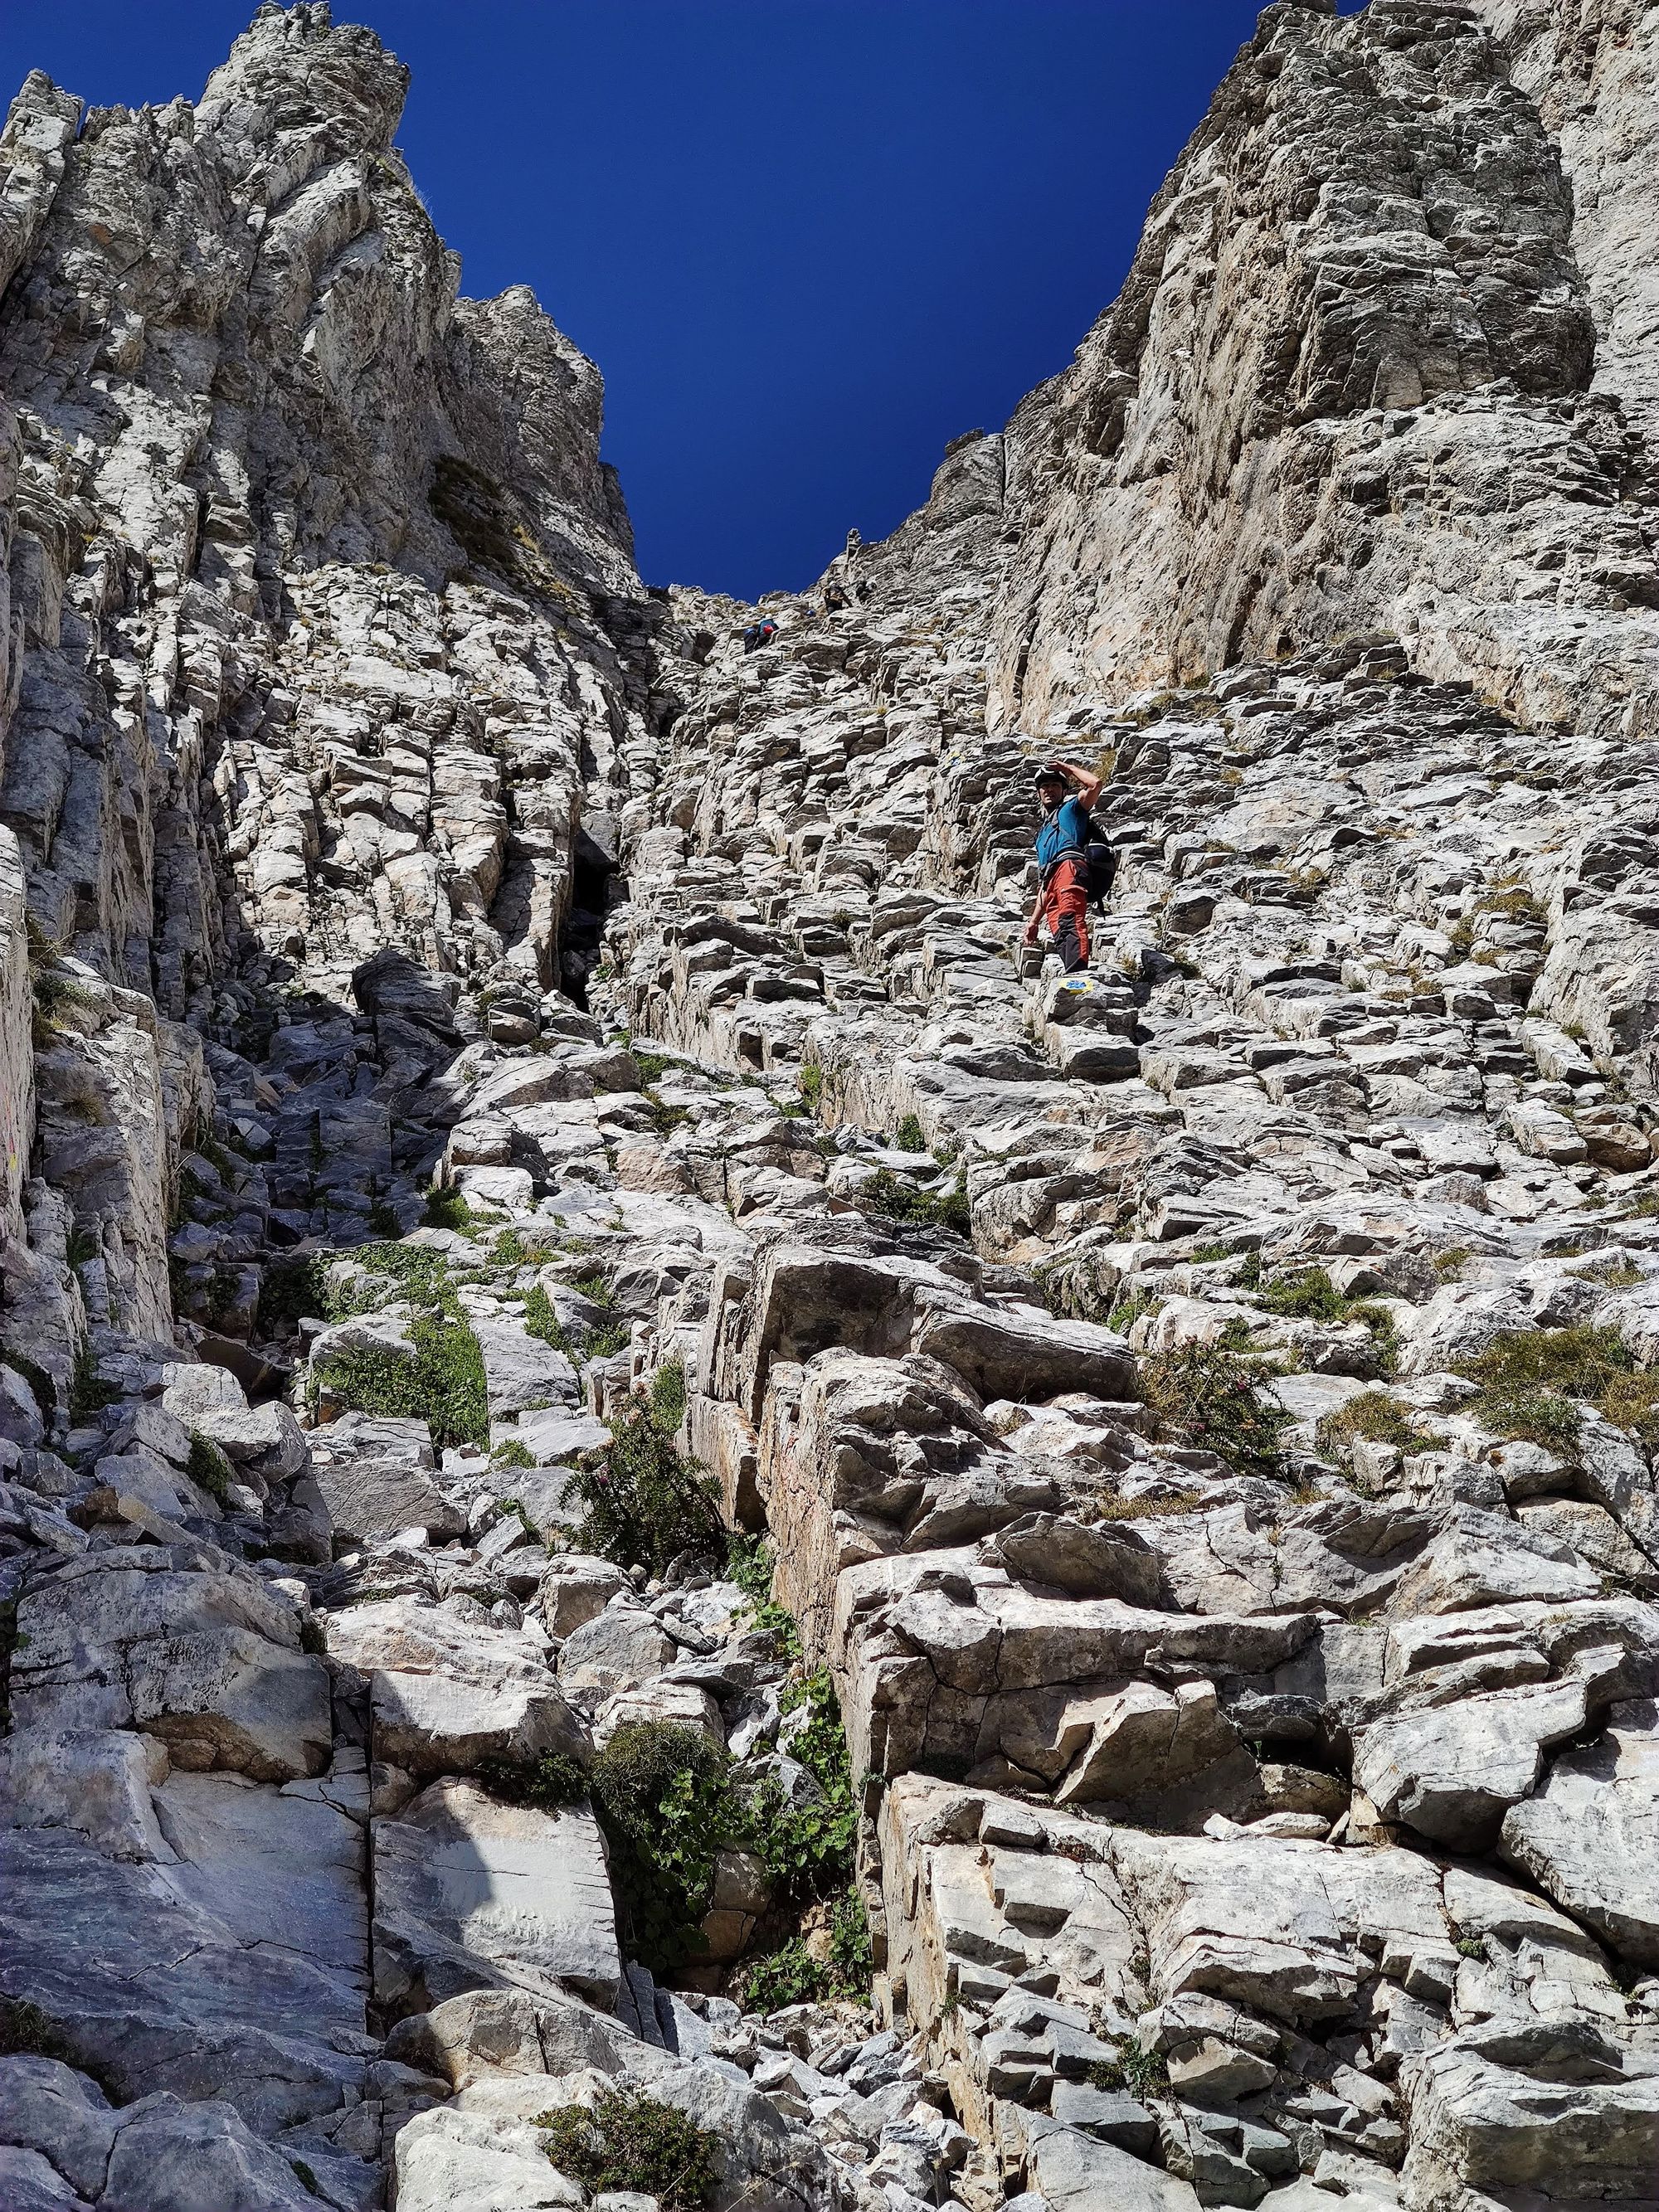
1087	782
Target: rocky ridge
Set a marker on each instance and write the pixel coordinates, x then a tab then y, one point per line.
1176	1550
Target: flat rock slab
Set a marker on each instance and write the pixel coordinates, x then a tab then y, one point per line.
275	1866
473	1895
183	1643
1590	1835
155	1991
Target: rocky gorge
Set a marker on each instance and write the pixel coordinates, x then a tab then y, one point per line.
676	1530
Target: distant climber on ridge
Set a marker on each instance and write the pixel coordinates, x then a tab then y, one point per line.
1062	850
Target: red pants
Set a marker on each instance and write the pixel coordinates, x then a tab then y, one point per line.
1065	914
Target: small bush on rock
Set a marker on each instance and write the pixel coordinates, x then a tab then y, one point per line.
884	1194
642	1504
1207	1398
630	2142
665	1798
207	1467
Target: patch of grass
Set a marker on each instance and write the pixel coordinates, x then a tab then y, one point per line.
1311	1295
26	2032
1378	1419
810	1083
910	1136
55	995
88	1395
207	1467
1127	1311
448	1209
1148	1508
1533	1382
630	2142
1207	1398
1450	1265
512	1454
541	1320
642	1504
1615	1274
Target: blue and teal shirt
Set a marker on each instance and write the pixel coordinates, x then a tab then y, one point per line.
1064	833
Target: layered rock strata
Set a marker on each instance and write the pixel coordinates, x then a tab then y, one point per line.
1199	1411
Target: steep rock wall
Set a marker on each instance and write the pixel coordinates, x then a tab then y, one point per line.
482	1040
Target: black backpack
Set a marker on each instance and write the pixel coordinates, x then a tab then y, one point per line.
1100	868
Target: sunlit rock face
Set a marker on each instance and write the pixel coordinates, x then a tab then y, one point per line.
639	1451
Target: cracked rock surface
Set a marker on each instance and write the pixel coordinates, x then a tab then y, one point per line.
1176	1441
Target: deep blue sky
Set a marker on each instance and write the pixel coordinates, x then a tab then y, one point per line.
806	240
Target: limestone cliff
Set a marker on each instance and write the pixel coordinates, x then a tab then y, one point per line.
636	1450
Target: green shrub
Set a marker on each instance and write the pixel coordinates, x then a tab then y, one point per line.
668	1396
749	1562
884	1194
665	1798
443	1384
88	1395
810	1083
630	2142
551	1782
807	1850
606	1342
207	1467
910	1136
790	1975
1141	2072
642	1504
1207	1398
512	1454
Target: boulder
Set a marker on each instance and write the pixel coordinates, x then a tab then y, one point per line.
446	1694
202	1653
470	1893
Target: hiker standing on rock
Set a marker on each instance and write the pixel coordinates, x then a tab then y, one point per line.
1062	850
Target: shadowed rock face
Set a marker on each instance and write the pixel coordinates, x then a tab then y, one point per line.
472	1038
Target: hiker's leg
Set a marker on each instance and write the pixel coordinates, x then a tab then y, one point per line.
1071	925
